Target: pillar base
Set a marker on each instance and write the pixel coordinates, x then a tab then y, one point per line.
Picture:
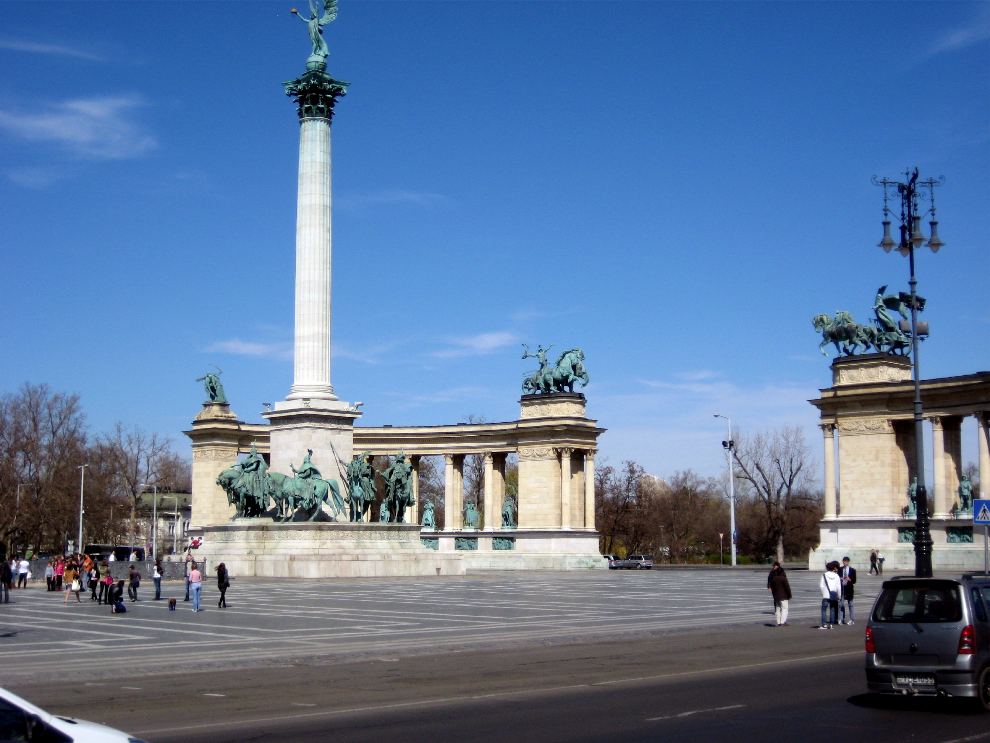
325	426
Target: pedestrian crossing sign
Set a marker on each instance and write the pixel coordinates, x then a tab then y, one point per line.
981	511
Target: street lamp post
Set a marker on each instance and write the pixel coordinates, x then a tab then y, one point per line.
154	519
729	445
82	489
720	535
911	237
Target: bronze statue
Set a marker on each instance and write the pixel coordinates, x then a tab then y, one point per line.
214	387
315	24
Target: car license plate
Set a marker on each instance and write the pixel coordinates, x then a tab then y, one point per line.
914	679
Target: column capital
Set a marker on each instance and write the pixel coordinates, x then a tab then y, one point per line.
590	453
828	429
315	94
565	451
488	458
937	421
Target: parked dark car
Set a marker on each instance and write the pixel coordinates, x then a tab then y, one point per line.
931	637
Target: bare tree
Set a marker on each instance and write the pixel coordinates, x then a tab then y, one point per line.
775	468
136	457
42	444
616	494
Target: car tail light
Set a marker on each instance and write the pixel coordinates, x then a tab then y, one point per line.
871	647
967	640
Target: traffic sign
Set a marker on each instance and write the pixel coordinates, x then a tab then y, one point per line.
981	511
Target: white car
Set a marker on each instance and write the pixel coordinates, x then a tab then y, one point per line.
22	721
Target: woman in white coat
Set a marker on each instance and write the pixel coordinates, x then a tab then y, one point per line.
831	587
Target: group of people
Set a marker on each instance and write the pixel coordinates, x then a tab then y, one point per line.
18	567
74	574
837	587
876	562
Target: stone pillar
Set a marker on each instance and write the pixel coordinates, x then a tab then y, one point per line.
489	492
311	367
952	426
941	500
413	512
828	432
565	486
448	492
984	450
215	434
589	489
453	491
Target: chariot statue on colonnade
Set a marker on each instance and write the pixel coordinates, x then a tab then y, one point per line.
886	335
568	370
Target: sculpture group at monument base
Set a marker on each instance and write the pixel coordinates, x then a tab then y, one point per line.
957	545
259	548
519	549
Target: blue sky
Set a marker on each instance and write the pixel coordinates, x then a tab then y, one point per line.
675	187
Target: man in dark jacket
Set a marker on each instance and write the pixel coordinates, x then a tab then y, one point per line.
848	575
780	589
6	577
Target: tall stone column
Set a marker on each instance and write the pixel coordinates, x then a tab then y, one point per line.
413	512
828	432
984	449
565	487
453	491
938	457
589	489
311	416
489	491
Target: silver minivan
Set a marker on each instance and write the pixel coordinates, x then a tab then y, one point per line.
930	636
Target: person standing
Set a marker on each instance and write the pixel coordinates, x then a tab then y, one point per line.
157	577
847	574
59	573
831	589
880	560
94	580
6	578
72	583
223	583
780	589
106	583
189	564
873	563
133	582
23	568
195	585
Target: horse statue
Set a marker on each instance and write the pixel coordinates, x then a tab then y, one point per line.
240	494
841	331
307	495
562	377
398	488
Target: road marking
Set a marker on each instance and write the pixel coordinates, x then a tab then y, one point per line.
302	704
208	694
981	736
695	712
534	690
131	688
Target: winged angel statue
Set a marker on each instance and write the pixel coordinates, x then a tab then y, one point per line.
315	23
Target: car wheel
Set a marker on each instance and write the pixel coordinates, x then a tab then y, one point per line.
983	689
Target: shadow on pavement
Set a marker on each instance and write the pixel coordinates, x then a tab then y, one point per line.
907	703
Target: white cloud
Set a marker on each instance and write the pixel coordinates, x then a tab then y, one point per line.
974	32
33	177
480	344
238	347
102	128
53	50
391	197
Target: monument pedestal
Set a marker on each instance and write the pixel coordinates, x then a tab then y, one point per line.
262	548
325	426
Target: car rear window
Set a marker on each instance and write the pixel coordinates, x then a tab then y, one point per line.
919	603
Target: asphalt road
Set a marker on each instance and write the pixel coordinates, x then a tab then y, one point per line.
726	675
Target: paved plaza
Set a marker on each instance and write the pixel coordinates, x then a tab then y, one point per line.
271	621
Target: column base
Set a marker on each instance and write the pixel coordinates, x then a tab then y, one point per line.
325	426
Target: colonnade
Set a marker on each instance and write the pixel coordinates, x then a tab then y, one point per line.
945	459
